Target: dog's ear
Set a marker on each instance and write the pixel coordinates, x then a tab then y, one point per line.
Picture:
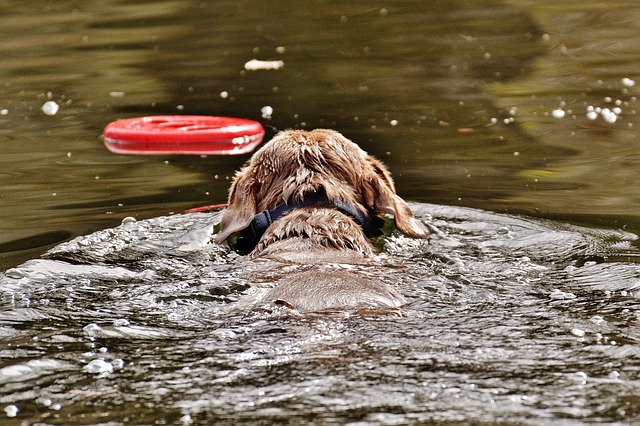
380	195
242	207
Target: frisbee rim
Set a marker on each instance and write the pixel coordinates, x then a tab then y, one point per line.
183	134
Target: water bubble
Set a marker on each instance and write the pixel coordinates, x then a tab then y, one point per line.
11	410
117	363
280	49
592	115
578	332
609	116
628	82
267	112
14	273
50	108
558	113
120	322
129	219
98	366
393	122
224	94
45	401
224	333
561	295
581	377
92	330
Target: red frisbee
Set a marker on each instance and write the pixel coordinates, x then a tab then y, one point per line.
183	134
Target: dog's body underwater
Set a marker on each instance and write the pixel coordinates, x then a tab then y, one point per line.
314	198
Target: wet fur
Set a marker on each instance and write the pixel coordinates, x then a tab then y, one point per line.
295	163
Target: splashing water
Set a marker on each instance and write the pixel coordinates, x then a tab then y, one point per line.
509	319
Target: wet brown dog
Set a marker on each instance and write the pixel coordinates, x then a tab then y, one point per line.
314	198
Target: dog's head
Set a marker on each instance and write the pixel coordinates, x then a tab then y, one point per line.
297	162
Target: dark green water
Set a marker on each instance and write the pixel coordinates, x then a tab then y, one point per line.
444	71
494	105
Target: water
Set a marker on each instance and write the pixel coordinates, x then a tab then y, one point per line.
511	319
508	318
427	88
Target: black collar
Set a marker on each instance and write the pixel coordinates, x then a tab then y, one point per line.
248	238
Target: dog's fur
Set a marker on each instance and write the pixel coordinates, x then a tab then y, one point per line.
295	163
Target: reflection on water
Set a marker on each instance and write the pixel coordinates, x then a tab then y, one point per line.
457	98
483	104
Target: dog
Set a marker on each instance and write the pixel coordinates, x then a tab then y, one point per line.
316	198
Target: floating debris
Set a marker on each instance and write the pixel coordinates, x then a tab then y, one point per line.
256	64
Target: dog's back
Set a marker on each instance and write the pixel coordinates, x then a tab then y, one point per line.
316	198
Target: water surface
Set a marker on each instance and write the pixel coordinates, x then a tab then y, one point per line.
456	97
497	105
509	319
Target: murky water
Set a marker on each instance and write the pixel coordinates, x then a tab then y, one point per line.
509	319
525	107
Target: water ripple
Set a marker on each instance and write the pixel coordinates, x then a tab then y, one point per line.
508	317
